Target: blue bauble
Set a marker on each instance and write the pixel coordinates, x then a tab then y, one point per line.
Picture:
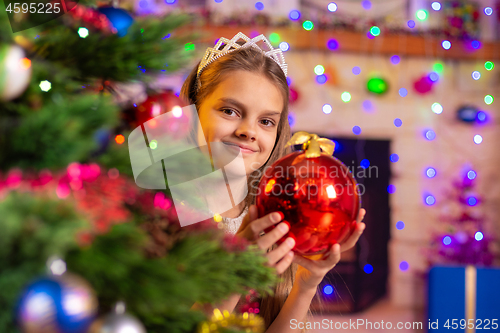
119	18
56	304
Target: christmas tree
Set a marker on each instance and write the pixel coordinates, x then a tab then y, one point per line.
462	236
78	236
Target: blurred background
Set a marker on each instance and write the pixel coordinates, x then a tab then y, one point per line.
406	89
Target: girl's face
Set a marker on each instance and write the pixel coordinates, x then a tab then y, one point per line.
244	110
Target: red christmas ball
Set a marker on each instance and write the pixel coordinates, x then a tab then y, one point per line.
318	197
157	104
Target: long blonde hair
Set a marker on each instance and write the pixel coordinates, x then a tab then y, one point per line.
254	61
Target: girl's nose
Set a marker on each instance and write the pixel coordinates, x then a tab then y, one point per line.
246	130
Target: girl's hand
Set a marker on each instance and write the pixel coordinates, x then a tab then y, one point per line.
310	273
251	227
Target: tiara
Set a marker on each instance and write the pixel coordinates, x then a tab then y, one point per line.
213	53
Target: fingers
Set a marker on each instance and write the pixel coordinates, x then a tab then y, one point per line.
251	226
322	265
284	263
274	235
360	227
275	255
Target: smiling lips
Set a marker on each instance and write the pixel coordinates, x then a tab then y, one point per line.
244	149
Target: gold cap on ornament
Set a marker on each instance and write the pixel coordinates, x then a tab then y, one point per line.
312	144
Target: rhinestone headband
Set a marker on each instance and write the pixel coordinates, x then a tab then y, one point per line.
213	53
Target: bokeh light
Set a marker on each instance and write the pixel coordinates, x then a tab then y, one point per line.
411	24
364	163
332	7
367	105
259	5
332	44
430	200
446	44
446	240
394	158
476	75
437	108
391	189
421	14
119	139
398	122
433	76
284	46
478	139
403	265
319	69
366	4
403	92
307	25
328	289
430	172
430	135
321	78
356	70
400	225
488	65
377	85
471	174
475	44
294	15
488	99
436	5
478	236
274	38
488	10
45	85
472	201
346	96
83	32
375	31
356	130
395	59
368	268
327	108
438	67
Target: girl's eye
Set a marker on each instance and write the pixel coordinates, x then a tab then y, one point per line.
268	122
227	111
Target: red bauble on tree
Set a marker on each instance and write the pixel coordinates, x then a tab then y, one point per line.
316	193
157	104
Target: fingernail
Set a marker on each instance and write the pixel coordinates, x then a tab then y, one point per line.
290	241
283	227
290	254
276	217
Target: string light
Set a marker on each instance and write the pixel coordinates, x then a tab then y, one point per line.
259	5
375	31
346	96
403	92
394	158
430	172
430	135
471	174
332	7
327	108
421	14
446	44
446	240
395	59
366	4
437	108
488	10
307	25
488	99
438	67
119	139
478	139
356	70
319	70
356	130
332	44
430	200
365	163
328	289
284	46
478	236
274	38
403	265
368	268
400	225
398	122
436	6
294	15
45	85
411	24
321	78
476	75
83	32
488	65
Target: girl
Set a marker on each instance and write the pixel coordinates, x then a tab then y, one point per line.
241	95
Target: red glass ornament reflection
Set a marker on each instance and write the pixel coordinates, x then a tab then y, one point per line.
318	197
